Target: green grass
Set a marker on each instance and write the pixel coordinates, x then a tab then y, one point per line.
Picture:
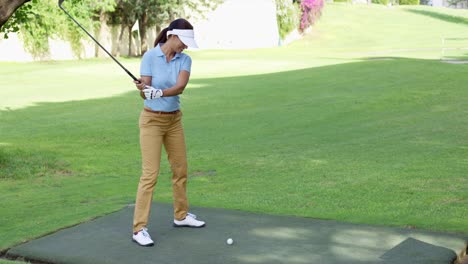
313	129
10	262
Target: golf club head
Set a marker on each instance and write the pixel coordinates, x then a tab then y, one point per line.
60	3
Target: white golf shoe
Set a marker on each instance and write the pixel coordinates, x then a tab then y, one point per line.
142	238
189	221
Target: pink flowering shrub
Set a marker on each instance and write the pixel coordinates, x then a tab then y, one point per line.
311	11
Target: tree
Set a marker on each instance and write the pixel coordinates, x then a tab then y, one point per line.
99	10
38	21
455	3
9	19
125	16
35	22
151	13
161	12
7	8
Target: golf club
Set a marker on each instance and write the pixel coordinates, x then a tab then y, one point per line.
128	72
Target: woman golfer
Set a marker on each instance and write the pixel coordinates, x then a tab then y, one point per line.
165	71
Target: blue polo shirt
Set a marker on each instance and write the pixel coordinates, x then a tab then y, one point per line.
164	75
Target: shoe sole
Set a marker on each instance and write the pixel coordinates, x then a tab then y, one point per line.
149	245
176	225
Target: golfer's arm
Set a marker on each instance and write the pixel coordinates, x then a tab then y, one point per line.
179	87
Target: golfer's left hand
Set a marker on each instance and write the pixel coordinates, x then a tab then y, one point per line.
152	93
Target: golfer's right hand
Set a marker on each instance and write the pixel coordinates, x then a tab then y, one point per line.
140	85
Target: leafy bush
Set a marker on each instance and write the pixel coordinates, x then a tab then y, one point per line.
287	15
311	12
19	16
38	21
408	2
382	2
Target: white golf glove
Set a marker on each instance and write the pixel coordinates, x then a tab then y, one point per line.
152	93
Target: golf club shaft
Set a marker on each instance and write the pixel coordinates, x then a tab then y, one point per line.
127	71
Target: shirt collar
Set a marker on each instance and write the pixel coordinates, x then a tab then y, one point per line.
160	53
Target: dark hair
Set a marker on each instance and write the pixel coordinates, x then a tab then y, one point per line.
179	23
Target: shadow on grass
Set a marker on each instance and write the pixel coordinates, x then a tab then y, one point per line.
443	17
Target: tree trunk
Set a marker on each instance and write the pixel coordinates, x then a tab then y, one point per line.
130	37
98	52
143	21
7	8
122	30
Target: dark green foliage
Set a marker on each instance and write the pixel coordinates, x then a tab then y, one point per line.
21	16
287	15
382	2
408	2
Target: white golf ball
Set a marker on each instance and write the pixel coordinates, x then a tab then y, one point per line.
230	241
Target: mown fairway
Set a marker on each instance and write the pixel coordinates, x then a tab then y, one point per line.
358	122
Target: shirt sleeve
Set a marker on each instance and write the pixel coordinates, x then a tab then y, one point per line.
186	64
145	67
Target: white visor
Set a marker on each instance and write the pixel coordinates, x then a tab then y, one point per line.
187	36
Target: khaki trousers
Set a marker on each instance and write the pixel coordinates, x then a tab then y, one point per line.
158	129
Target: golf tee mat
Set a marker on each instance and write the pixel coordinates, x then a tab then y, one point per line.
257	238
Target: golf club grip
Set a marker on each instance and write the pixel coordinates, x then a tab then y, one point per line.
99	44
